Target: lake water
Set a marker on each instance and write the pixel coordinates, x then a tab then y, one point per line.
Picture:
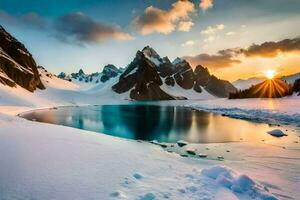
154	122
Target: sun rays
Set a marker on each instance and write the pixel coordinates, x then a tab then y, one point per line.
272	88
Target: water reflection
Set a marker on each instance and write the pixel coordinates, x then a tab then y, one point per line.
151	122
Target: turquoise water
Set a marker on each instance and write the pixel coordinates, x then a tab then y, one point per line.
154	122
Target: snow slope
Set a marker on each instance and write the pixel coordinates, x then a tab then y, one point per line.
42	161
283	110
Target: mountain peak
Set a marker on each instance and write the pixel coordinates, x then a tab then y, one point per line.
177	60
17	65
81	71
150	52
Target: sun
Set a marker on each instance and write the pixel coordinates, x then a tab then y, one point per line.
270	74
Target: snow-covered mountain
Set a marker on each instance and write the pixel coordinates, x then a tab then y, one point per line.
17	67
150	77
243	84
88	81
291	78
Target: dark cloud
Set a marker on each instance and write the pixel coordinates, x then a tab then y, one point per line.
272	49
228	57
224	58
28	20
83	29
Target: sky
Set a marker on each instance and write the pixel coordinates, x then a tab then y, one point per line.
233	38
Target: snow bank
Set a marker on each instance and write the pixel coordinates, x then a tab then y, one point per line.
275	111
241	184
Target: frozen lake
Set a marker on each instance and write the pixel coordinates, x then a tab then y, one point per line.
154	122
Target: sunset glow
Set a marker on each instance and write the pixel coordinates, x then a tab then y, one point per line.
207	32
270	74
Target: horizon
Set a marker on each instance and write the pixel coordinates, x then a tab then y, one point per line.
233	39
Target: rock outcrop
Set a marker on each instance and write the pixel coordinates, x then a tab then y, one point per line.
17	66
145	75
296	87
141	78
152	77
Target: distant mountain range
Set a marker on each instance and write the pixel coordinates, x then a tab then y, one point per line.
151	77
87	81
243	84
148	77
17	67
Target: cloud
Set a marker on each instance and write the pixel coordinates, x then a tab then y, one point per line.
206	4
209	39
220	60
82	29
165	21
188	43
185	26
230	33
228	57
272	49
210	30
28	20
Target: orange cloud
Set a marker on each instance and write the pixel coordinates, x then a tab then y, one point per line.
165	21
272	49
220	60
185	26
206	4
229	57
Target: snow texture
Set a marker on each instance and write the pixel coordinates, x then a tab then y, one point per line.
42	161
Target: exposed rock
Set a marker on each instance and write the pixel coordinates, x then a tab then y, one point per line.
212	84
5	80
296	86
197	88
142	79
277	133
111	71
201	155
201	76
16	64
182	143
219	87
191	151
170	81
184	75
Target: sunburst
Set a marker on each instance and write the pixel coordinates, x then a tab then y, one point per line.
270	74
